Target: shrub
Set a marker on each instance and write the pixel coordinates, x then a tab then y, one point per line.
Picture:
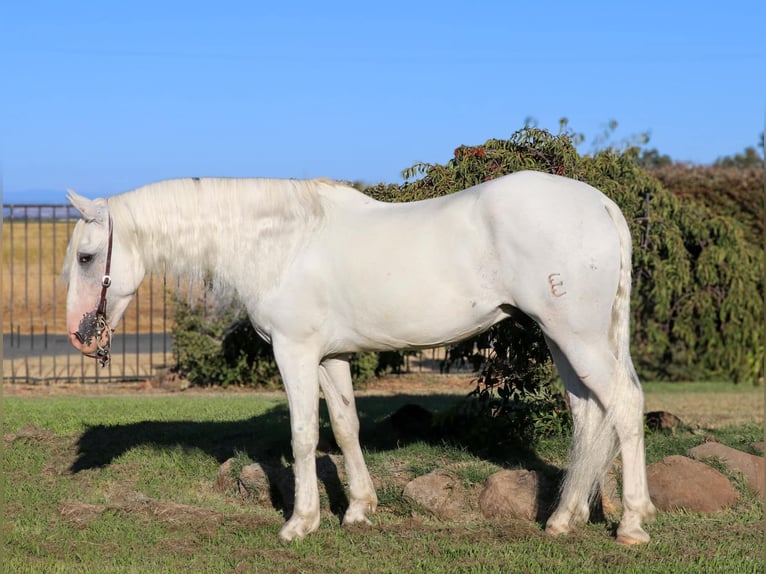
216	345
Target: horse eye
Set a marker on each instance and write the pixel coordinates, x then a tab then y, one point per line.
84	259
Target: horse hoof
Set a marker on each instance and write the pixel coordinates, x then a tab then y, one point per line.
556	530
632	539
357	513
297	528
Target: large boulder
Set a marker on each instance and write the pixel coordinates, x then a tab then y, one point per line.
678	482
736	461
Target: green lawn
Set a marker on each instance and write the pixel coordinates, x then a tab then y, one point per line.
126	484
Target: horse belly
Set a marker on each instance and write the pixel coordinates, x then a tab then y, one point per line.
418	309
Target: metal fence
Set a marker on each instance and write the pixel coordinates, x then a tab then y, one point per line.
35	343
36	348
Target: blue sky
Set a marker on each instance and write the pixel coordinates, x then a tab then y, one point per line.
103	97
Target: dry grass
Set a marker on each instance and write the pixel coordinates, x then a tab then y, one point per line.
718	405
55	369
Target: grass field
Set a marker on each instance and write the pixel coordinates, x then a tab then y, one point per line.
125	483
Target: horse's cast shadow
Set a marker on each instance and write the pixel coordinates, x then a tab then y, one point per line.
265	439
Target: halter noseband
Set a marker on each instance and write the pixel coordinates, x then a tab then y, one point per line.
102	352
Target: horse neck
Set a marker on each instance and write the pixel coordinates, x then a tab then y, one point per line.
235	239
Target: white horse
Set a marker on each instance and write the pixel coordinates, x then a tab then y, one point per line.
325	271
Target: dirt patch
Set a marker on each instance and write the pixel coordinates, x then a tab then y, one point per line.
31	433
183	516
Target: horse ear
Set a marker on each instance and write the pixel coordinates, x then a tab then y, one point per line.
91	210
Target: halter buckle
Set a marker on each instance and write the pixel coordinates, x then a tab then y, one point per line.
106	281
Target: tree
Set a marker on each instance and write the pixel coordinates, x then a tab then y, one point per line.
652	159
748	158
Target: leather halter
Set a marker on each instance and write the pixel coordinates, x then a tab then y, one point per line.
102	353
106	280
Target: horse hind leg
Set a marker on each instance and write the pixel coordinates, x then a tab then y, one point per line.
607	404
591	451
629	423
335	380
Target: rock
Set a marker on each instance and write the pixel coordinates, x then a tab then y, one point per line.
438	493
662	420
677	482
253	482
225	482
262	482
611	502
513	494
736	461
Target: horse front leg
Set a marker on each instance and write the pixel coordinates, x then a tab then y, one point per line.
335	380
299	369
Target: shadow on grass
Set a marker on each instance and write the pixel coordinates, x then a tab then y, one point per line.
265	439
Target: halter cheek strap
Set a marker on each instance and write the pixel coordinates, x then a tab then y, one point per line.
102	354
106	280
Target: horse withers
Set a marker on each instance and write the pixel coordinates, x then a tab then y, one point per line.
325	271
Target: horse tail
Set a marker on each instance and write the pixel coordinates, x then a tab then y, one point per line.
620	323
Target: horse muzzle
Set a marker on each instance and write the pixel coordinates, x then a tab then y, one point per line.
93	337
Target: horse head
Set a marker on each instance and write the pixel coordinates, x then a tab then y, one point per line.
103	274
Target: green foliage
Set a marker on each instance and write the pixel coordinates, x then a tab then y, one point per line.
697	301
515	402
219	347
364	367
651	158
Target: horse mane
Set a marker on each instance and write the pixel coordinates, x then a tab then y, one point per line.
231	231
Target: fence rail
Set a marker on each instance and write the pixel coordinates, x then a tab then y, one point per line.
35	344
